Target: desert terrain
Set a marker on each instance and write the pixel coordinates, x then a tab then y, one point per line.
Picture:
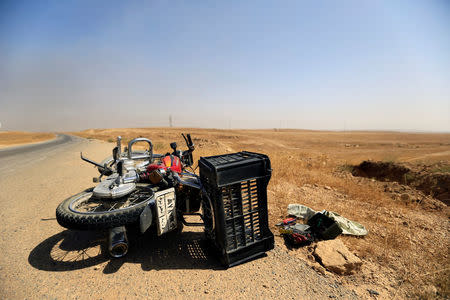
404	255
15	138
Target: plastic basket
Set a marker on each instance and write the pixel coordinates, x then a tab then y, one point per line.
237	186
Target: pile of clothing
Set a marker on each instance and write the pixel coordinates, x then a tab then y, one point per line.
324	225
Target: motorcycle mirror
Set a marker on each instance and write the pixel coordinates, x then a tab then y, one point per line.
185	139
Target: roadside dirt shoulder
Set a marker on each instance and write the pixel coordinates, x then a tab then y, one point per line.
17	138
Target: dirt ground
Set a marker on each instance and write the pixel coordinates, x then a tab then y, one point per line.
406	251
15	138
404	255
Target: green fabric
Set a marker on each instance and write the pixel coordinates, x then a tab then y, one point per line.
348	227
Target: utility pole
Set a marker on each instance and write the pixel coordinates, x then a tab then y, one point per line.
170	121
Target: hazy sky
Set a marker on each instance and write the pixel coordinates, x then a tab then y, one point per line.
69	65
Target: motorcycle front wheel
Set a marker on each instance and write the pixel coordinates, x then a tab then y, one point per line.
83	211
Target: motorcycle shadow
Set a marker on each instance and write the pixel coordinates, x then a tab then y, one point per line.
73	250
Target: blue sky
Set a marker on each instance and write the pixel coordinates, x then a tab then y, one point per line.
339	65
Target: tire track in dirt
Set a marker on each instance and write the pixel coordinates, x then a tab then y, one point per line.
442	153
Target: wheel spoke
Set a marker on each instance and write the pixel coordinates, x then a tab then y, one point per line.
89	204
111	208
95	208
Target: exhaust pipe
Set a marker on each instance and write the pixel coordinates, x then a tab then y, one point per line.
118	242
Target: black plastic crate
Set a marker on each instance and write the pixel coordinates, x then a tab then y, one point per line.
237	186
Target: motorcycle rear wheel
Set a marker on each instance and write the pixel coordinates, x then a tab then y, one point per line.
83	211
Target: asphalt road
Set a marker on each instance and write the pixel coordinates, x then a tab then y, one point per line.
19	157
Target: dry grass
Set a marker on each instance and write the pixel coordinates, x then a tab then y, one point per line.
13	138
407	247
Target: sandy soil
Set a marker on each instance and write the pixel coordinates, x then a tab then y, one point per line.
41	260
15	138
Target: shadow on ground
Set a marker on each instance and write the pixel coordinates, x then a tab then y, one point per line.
72	250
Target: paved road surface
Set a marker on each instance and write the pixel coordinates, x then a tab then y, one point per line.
19	157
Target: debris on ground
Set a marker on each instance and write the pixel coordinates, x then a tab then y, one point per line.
324	227
319	227
295	234
300	211
347	226
336	257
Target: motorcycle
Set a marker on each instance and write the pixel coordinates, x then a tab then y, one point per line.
142	188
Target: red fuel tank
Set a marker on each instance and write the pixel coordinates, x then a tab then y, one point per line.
167	162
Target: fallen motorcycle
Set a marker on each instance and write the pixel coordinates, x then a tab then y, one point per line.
142	189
